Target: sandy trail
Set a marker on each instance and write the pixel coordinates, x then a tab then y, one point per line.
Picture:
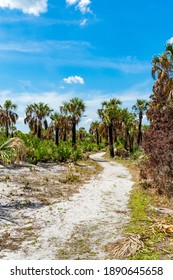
79	228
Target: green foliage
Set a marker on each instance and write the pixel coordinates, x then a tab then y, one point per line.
142	223
3	138
76	155
120	143
88	146
137	153
63	152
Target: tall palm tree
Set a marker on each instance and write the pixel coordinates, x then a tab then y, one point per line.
129	125
74	109
8	116
140	107
108	113
36	115
162	72
57	123
94	129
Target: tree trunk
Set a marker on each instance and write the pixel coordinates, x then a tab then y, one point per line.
139	141
97	137
65	135
57	136
111	144
131	141
6	129
126	139
74	135
39	131
35	129
115	135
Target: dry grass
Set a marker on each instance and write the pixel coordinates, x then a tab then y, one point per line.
125	248
34	189
46	187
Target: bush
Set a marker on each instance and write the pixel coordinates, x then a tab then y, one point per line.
76	155
63	152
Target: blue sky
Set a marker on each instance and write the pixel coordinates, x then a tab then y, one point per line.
54	50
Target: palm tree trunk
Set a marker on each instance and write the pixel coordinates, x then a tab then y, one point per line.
111	144
126	139
97	137
6	129
65	135
74	135
139	140
57	136
35	129
131	141
115	135
39	131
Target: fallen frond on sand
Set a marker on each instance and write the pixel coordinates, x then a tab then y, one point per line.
126	247
167	229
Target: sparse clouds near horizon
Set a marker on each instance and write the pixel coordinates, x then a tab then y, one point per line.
74	80
34	7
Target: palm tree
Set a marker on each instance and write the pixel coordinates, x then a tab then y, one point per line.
82	133
140	107
94	129
8	116
129	124
74	109
57	121
108	113
36	115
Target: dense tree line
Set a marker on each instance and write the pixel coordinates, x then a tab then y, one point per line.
116	125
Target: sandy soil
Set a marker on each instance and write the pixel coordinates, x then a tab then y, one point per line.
76	228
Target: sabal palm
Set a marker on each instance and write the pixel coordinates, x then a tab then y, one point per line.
94	129
57	124
140	107
36	115
8	116
108	113
129	125
74	109
162	70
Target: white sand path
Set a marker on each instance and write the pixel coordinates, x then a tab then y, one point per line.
93	218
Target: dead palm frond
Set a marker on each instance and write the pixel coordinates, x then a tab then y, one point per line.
13	149
126	247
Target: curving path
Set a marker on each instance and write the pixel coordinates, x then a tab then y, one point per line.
80	227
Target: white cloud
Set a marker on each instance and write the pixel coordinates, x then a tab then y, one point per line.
82	5
83	22
35	7
74	80
170	41
71	2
